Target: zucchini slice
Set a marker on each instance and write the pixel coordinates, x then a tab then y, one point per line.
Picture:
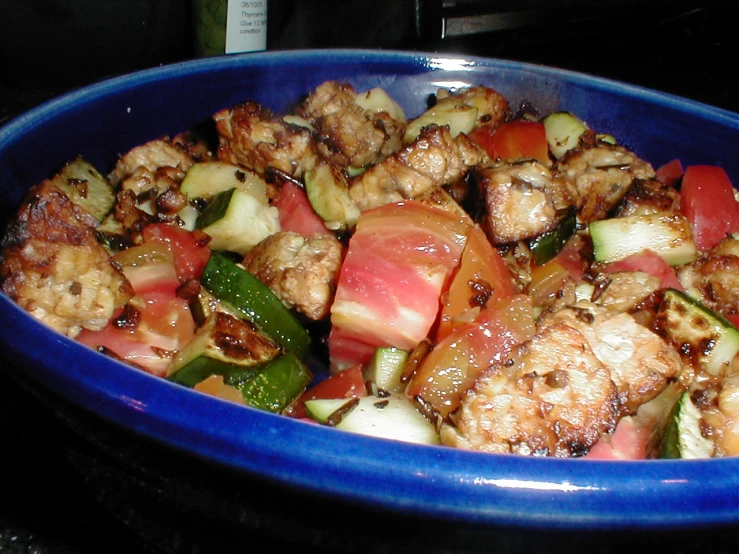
667	234
450	111
255	301
548	245
385	369
705	339
206	179
86	187
328	193
679	435
237	221
563	132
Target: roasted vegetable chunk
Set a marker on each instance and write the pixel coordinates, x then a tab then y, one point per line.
53	266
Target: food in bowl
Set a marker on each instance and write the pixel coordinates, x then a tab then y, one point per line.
482	276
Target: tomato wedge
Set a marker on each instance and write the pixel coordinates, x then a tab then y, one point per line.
670	173
513	140
348	383
190	252
707	201
454	364
296	213
482	277
397	263
628	442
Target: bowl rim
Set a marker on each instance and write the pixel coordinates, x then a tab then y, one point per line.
431	481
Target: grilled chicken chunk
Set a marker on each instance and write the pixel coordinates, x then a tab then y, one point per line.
301	271
151	156
53	266
585	368
602	174
349	135
714	277
433	160
648	197
520	201
255	137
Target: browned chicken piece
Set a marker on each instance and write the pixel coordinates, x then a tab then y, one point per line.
521	201
347	134
152	155
433	160
648	197
195	146
602	174
256	137
714	277
492	107
585	368
624	291
301	271
54	267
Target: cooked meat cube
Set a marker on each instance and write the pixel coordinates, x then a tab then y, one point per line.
492	107
347	134
255	137
602	174
53	266
585	368
714	277
433	160
151	156
520	201
556	399
301	271
195	146
648	197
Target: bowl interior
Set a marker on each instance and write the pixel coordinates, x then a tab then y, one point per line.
104	120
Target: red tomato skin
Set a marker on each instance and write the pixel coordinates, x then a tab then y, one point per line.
190	256
348	383
514	140
670	173
651	263
296	213
707	201
733	319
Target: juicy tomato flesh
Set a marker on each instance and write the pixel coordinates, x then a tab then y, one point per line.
707	201
190	252
348	383
296	213
397	263
670	173
628	442
513	140
482	277
454	364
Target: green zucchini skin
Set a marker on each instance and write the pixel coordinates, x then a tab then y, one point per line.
547	246
254	300
271	386
679	435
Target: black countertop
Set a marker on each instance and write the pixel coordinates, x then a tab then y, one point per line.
46	505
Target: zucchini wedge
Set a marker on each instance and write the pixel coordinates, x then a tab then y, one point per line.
679	435
704	338
449	111
328	193
206	179
254	300
385	369
86	187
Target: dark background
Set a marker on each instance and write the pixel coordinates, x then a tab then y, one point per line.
48	47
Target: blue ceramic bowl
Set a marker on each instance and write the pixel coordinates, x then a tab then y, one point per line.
109	118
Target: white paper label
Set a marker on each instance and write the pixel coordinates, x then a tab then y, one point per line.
246	26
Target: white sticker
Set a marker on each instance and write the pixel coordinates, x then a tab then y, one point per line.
246	27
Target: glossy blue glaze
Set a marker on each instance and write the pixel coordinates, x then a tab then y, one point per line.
109	118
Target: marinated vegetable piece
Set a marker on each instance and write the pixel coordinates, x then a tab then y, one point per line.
221	342
237	221
512	141
386	368
520	201
563	132
255	137
328	192
680	435
301	271
151	156
251	298
602	174
434	159
666	234
348	133
84	185
53	266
